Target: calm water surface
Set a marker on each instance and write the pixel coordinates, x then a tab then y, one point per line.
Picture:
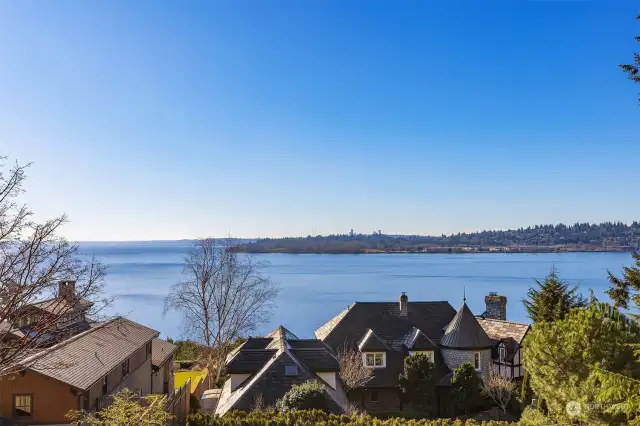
316	287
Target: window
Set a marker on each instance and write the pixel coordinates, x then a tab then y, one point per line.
290	370
374	359
430	354
125	368
502	351
23	405
374	396
477	361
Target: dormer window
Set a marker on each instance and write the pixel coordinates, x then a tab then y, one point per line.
374	359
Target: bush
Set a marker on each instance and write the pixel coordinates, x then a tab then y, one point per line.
317	417
308	396
194	403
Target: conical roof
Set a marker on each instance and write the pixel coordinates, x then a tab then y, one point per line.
464	332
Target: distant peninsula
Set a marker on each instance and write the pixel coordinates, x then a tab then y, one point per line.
580	237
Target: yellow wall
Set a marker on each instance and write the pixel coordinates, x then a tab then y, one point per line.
181	378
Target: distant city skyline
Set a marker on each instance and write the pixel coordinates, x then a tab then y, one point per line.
163	121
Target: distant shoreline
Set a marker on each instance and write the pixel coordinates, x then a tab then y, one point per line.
444	251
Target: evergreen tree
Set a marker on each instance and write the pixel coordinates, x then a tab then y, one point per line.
626	289
564	356
633	69
552	300
466	388
418	382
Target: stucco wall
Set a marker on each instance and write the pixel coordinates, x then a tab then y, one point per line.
454	358
51	399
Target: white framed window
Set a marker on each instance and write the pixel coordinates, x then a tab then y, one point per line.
477	361
430	354
502	351
374	359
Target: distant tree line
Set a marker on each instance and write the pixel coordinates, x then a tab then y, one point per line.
585	235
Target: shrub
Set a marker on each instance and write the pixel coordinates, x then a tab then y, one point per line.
317	417
310	395
466	388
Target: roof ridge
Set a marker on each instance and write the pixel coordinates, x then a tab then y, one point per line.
501	320
67	341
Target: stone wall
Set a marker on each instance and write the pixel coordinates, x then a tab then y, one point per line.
454	358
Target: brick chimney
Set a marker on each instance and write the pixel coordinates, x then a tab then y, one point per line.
404	301
495	306
67	289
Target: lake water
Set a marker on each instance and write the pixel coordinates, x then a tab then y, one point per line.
316	287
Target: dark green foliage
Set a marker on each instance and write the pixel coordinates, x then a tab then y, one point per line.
526	394
418	383
633	69
552	300
466	388
626	289
536	238
187	350
315	417
309	395
562	356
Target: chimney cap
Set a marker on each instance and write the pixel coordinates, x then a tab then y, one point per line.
493	293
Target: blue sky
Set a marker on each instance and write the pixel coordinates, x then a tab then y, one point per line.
157	120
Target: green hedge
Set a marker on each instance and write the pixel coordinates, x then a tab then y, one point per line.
316	417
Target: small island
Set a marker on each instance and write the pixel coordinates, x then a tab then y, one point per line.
580	237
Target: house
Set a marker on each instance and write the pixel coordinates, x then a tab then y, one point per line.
263	369
162	357
65	315
387	332
507	336
80	373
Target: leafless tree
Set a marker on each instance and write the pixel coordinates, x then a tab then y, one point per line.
224	296
33	260
353	372
499	388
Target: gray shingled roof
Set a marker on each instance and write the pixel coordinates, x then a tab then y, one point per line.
161	351
371	342
418	341
464	332
316	360
85	358
249	360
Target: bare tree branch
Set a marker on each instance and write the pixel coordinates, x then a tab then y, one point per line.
224	296
499	388
353	372
33	260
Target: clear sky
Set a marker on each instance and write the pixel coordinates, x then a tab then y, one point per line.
158	120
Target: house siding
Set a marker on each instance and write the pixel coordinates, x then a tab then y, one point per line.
52	400
388	399
165	373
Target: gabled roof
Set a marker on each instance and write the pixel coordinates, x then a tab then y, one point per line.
350	325
266	367
85	358
59	305
464	332
498	329
161	351
370	342
418	341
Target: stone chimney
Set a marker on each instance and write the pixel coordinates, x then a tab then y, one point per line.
67	289
404	301
495	306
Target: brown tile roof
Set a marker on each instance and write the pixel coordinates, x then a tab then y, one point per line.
59	304
161	350
83	359
502	329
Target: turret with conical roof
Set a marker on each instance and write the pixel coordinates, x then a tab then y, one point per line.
464	332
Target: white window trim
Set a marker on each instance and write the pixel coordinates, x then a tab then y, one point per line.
384	359
479	368
430	354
